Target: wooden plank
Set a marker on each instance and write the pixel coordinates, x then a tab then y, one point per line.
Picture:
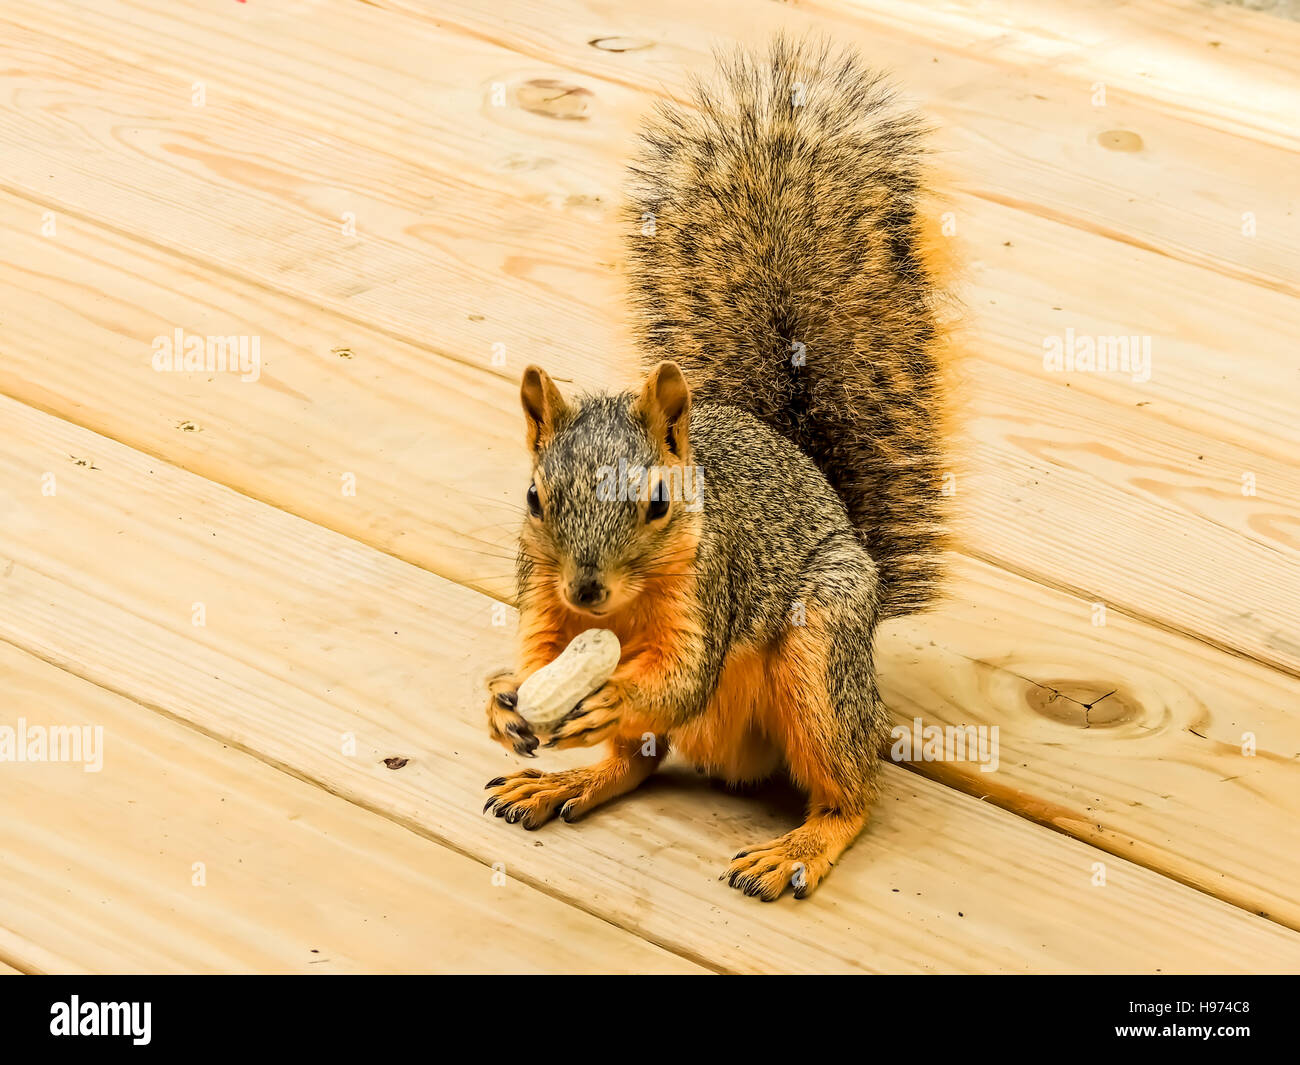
308	636
1223	65
1143	742
1150	519
264	199
1021	289
1052	453
181	854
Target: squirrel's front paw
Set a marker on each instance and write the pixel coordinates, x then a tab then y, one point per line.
504	723
594	719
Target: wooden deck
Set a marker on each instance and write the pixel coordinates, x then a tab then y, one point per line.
263	590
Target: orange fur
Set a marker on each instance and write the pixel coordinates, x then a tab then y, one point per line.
769	704
729	739
799	711
652	629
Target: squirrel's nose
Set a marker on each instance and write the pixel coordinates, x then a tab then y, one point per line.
587	592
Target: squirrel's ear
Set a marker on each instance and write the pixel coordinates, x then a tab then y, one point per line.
666	403
543	405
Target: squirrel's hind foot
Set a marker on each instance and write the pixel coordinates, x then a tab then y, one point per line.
799	859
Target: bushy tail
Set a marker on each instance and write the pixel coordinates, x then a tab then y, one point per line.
777	256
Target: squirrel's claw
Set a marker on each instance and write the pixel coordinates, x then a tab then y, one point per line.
504	723
525	742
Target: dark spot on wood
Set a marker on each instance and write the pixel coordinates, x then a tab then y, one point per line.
555	99
620	44
395	763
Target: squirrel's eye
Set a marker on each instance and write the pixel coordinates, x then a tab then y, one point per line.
657	507
534	502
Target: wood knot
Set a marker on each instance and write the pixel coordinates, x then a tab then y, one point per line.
1120	140
1073	704
555	99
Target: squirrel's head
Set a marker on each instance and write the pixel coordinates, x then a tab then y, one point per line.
614	501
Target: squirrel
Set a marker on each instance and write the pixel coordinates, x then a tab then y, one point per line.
785	296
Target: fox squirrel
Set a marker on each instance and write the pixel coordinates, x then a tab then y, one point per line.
782	289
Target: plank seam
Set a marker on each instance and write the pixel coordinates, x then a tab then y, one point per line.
219	270
22	967
1217	266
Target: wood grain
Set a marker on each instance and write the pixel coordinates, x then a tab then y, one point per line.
1140	741
309	637
989	117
